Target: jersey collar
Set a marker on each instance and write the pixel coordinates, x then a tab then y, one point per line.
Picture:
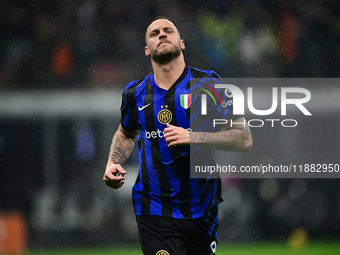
180	78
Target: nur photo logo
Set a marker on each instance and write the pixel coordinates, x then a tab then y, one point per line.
233	95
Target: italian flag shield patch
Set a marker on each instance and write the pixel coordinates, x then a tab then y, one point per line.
185	101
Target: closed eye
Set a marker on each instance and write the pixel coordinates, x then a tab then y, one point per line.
153	33
168	30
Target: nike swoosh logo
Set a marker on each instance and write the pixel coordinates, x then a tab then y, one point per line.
141	108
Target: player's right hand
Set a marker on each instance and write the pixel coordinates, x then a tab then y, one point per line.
114	176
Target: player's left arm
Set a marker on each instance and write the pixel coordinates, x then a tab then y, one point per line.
235	138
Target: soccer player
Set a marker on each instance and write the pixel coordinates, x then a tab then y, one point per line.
175	214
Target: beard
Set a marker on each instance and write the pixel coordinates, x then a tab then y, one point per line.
166	56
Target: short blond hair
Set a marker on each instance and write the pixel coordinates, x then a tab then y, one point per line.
162	17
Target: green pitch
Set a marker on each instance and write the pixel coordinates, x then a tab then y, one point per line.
263	248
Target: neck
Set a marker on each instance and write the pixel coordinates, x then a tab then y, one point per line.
166	75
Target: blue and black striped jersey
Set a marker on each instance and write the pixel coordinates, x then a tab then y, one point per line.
163	186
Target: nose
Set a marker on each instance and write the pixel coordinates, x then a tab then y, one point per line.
162	34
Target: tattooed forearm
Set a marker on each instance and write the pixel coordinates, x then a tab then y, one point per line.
204	137
121	146
236	138
246	136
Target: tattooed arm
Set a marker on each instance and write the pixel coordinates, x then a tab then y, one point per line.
121	148
235	138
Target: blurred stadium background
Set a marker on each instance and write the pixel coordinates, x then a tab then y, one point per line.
63	65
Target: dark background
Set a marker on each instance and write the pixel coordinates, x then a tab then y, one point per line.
63	66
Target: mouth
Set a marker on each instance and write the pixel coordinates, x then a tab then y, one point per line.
163	42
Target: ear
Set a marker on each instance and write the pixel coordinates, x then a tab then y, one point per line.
182	44
147	51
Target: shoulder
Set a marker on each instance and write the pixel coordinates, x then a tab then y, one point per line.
132	85
198	73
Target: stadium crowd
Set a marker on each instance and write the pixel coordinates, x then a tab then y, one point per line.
89	44
97	43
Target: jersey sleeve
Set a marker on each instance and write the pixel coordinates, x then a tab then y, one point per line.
223	104
225	108
127	108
